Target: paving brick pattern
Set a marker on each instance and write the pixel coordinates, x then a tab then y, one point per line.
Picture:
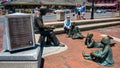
72	57
1	36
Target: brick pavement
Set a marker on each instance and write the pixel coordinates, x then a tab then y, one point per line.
72	57
1	36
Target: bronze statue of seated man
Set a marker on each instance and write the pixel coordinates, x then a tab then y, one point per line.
75	32
103	56
45	31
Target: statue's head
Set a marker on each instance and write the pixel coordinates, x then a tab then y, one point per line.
89	36
37	13
43	10
106	40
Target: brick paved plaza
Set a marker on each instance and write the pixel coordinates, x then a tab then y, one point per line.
72	57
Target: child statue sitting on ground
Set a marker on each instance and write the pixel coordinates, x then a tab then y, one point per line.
75	32
103	56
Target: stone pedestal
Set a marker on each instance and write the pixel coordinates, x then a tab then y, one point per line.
60	15
19	64
0	12
25	59
19	48
118	13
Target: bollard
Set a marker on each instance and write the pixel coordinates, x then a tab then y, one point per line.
60	15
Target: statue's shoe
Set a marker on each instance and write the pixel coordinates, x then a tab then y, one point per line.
61	45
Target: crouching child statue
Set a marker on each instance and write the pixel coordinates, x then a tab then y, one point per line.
75	32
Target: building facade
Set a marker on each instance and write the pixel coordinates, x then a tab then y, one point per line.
44	2
106	4
31	4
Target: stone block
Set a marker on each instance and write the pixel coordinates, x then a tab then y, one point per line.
30	58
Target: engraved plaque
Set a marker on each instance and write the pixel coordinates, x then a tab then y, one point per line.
20	31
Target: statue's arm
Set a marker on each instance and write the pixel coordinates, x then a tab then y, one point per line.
102	53
105	51
39	22
90	44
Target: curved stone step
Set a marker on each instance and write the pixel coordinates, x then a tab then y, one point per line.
83	22
90	26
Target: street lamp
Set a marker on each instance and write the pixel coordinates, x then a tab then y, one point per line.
119	6
92	13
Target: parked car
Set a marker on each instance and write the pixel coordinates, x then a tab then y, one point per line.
51	10
104	11
65	10
91	10
100	11
55	11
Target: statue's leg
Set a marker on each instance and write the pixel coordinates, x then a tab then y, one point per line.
81	36
53	38
48	42
70	33
42	42
86	56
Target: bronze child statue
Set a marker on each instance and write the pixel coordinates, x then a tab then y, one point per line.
75	32
103	56
91	43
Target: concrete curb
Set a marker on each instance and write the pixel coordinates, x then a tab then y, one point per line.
87	24
47	51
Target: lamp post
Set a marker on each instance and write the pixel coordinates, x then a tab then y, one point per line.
92	13
119	6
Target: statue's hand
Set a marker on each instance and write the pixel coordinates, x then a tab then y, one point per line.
50	27
95	55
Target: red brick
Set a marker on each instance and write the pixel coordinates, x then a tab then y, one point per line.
72	57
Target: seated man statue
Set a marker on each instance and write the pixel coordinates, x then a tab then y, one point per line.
103	56
75	32
91	43
45	31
